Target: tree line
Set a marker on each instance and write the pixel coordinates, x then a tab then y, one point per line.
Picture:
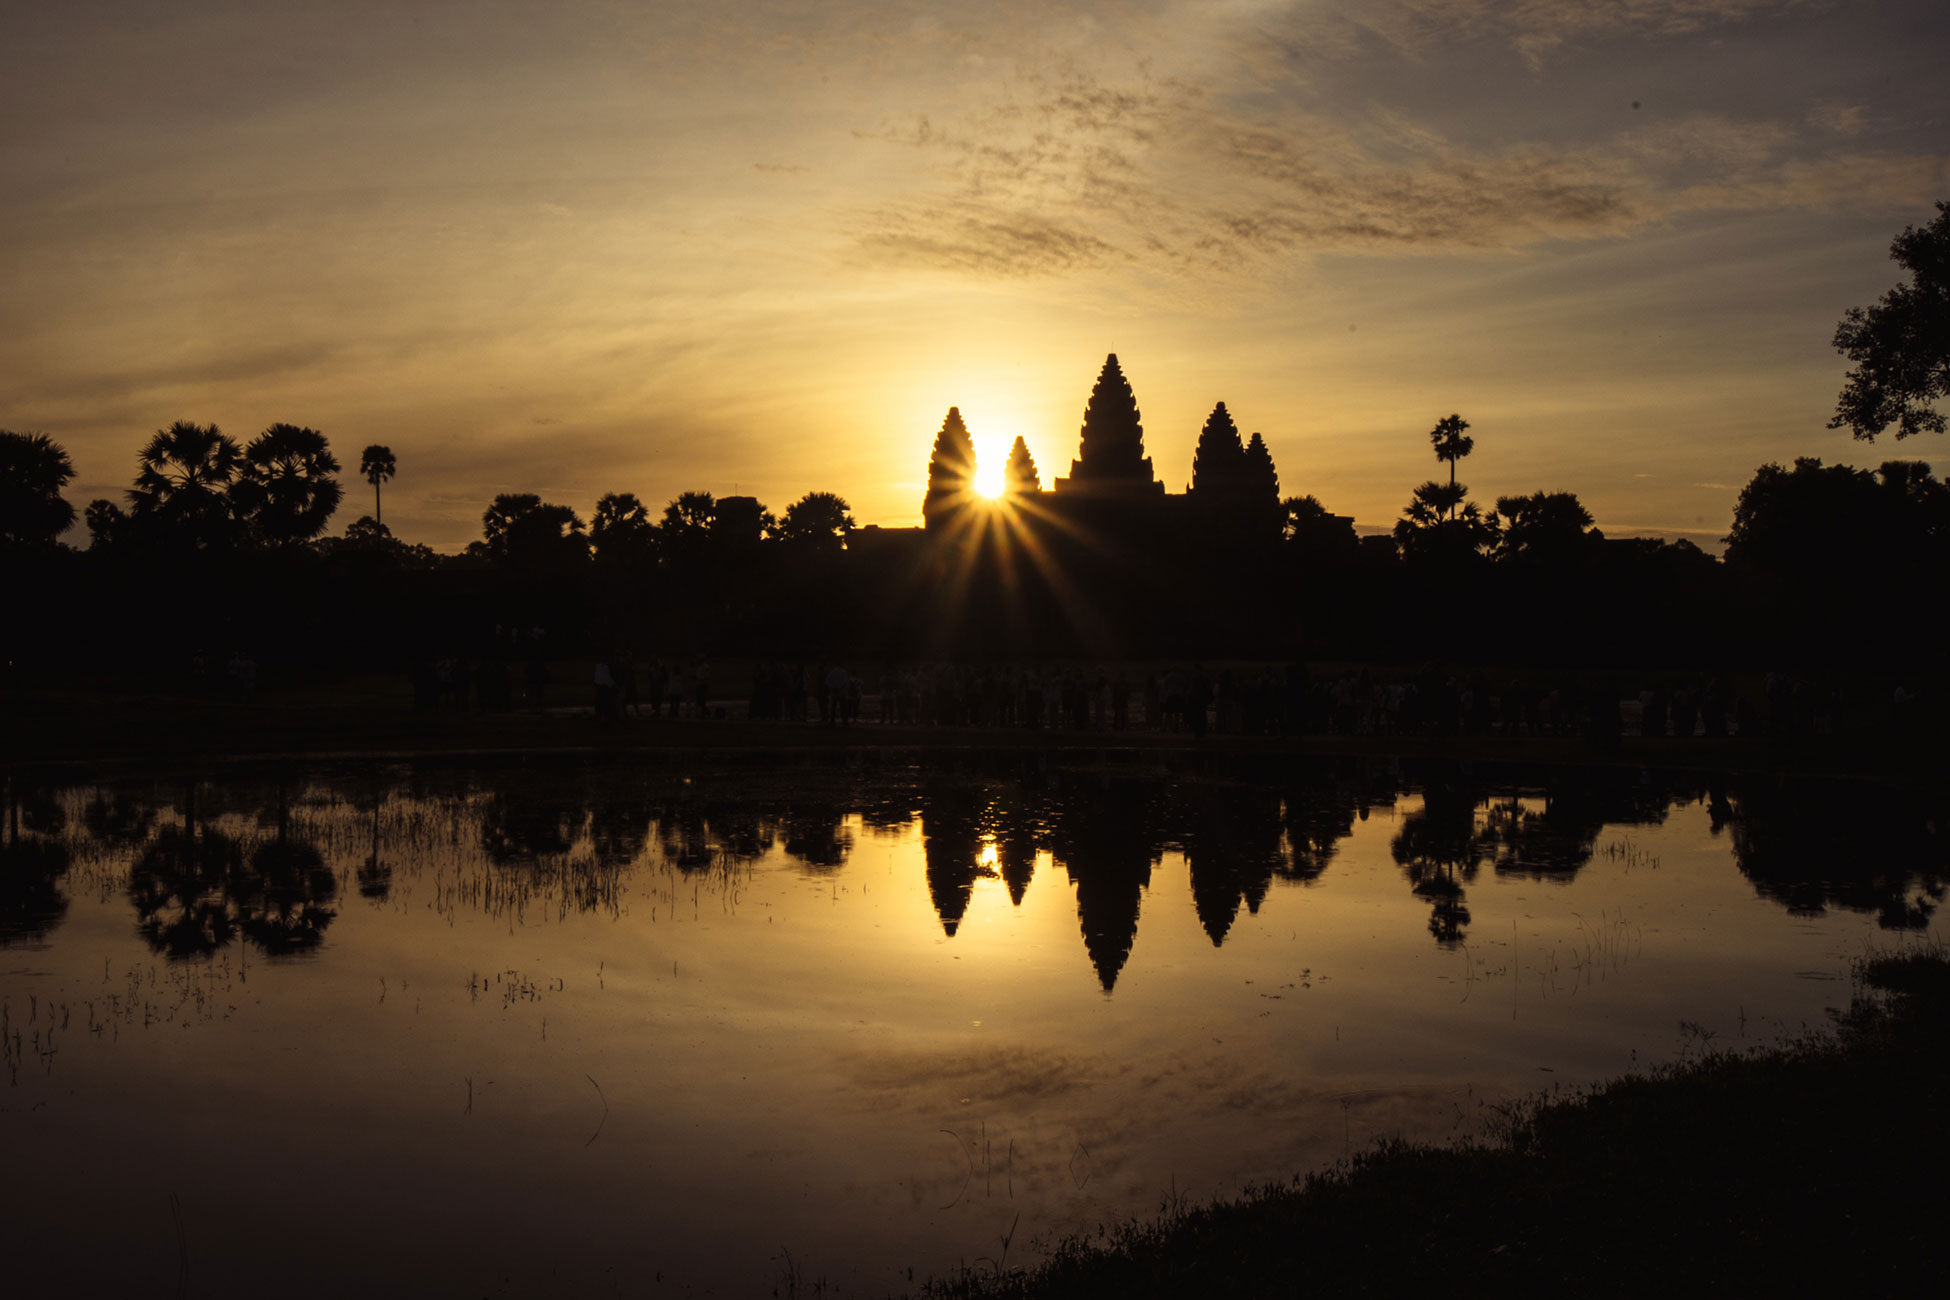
219	541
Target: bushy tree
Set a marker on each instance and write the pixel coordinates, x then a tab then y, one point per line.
521	529
1440	525
107	524
1544	528
1901	346
287	489
685	530
622	530
33	470
367	536
817	523
182	484
1847	523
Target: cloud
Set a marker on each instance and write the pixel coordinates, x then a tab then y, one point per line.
1535	29
996	244
1067	175
1840	118
252	364
779	168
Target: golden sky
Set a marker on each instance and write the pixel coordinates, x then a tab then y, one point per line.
581	247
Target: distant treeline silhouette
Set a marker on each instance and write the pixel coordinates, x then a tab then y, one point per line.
220	546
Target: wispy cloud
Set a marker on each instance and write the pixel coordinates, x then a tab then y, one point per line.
1065	175
1539	29
998	243
1840	118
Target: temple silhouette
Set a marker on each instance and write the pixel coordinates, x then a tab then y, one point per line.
1102	559
1112	485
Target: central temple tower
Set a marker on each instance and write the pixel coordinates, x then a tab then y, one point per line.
1111	462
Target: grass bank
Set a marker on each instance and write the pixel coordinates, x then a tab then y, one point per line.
1816	1167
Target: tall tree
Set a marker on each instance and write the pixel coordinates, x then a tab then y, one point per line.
1112	438
1451	443
182	480
33	470
287	489
1440	525
1544	528
1219	461
107	524
622	531
951	471
1854	525
690	513
817	523
1019	476
377	464
522	529
1901	346
685	532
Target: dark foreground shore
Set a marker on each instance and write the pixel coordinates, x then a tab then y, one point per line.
1815	1168
70	728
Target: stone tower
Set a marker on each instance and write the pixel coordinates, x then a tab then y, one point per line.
1111	461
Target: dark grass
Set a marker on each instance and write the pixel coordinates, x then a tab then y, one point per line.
1813	1168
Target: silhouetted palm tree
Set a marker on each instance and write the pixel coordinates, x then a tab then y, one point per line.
1451	443
287	492
621	529
185	471
377	464
1439	523
106	523
817	523
33	470
1544	528
522	529
686	528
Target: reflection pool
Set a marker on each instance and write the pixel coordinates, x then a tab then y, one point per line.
529	1028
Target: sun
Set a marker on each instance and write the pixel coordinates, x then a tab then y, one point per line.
991	457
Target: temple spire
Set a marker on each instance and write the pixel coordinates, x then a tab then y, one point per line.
951	471
1111	458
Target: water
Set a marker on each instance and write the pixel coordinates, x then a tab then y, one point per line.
547	1029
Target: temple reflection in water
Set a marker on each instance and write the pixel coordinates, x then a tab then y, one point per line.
211	863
